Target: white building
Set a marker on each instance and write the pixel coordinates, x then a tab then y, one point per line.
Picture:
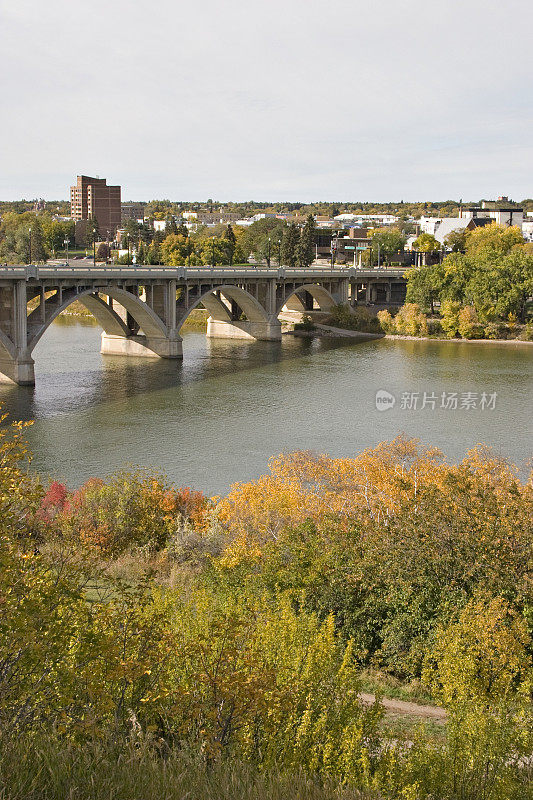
351	220
527	230
429	224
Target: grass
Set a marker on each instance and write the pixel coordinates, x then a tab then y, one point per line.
377	682
196	321
407	727
45	769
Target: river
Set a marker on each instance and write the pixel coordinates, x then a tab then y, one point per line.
218	416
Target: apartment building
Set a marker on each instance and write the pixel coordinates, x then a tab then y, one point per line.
93	198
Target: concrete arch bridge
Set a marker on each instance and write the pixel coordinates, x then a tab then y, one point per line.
141	309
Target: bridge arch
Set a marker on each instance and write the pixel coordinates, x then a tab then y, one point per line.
7	348
320	294
112	324
251	307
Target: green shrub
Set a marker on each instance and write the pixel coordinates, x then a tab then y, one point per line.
306	324
450	310
360	319
494	330
434	327
527	333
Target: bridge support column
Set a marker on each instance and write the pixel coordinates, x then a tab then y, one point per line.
343	292
143	346
17	365
268	331
19	370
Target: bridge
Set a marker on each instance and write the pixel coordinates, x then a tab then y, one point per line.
142	308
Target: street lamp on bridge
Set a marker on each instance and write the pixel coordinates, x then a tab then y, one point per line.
66	242
29	260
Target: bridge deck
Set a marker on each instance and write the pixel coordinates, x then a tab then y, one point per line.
87	270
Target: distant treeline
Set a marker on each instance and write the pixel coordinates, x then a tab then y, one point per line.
250	207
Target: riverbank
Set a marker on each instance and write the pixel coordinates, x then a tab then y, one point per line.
324	330
330	331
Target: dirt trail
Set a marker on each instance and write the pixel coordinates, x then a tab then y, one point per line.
402	707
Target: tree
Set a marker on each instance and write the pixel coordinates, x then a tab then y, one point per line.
456	240
231	242
154	253
450	320
141	253
103	253
174	250
132	229
480	668
495	239
55	231
426	243
306	245
424	286
254	239
289	245
389	242
92	231
171	226
15	238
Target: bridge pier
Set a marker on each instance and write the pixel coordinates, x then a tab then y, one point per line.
144	346
237	329
18	370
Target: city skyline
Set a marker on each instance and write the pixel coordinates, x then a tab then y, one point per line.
292	102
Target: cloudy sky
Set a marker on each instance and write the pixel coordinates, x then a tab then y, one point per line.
278	99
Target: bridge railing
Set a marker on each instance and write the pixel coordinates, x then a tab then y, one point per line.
31	271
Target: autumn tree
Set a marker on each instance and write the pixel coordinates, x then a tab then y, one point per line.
493	239
426	243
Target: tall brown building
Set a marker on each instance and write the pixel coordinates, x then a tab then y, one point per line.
93	198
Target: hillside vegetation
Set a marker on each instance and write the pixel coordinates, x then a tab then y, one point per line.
158	643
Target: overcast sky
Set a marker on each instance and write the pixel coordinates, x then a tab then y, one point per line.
273	100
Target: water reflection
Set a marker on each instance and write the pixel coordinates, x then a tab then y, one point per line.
71	374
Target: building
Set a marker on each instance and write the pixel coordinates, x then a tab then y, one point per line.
211	218
502	211
349	249
92	198
132	211
449	224
380	220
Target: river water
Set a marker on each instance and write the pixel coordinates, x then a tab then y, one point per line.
218	416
